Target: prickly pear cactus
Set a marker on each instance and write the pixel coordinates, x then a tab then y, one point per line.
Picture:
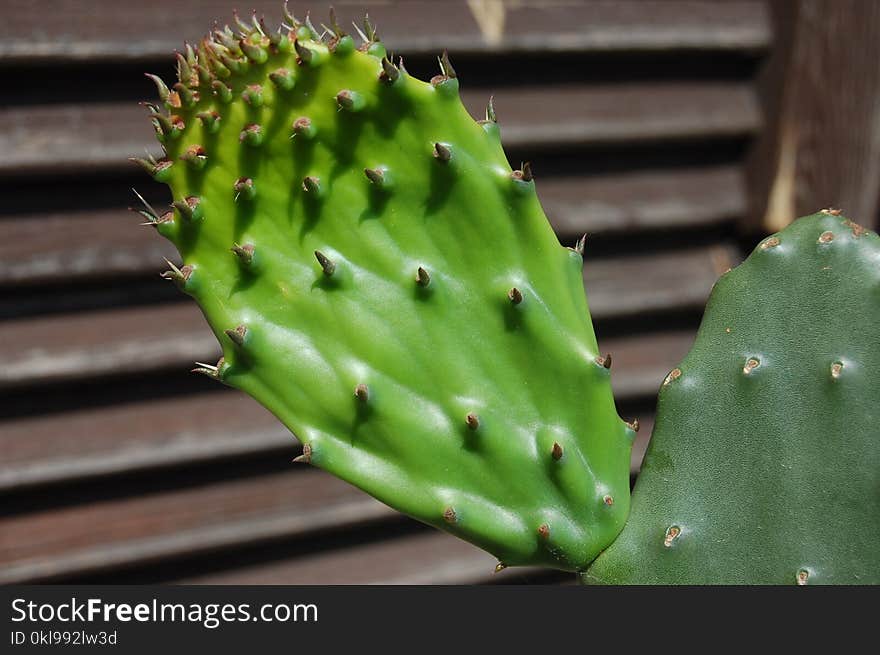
764	466
383	282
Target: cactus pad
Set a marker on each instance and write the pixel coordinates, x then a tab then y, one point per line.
764	466
386	285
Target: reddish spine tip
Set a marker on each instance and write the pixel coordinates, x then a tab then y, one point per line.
210	120
349	100
161	87
472	421
672	533
195	156
221	91
390	73
237	335
447	72
327	264
179	276
490	110
304	54
306	457
251	135
442	152
216	371
375	176
245	253
302	127
672	376
283	79
423	278
190	208
253	95
312	185
524	174
244	189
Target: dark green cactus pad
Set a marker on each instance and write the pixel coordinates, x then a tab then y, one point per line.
764	466
383	282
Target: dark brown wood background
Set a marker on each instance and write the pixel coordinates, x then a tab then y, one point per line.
641	120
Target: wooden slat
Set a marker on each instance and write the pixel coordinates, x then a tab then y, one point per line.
643	200
676	280
73	246
114	32
621	113
634	26
196	428
70	348
69	247
101	136
206	427
104	535
423	558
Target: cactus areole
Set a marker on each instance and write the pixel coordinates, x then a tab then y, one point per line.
383	281
764	466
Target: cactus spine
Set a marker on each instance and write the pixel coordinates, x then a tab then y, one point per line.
764	465
384	283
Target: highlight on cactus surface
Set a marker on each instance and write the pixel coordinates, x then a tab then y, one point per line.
387	285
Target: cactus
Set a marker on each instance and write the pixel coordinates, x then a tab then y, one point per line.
390	289
764	465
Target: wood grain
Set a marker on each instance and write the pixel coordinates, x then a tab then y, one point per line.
113	31
44	545
89	443
423	558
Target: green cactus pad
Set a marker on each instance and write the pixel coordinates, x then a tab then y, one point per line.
764	466
386	285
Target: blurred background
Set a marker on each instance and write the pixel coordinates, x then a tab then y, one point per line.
675	133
